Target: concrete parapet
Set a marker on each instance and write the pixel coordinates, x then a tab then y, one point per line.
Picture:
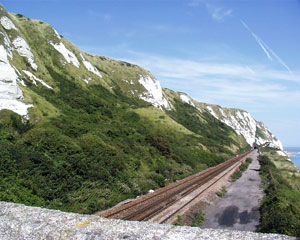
18	221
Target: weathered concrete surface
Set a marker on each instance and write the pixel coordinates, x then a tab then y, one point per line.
20	222
239	209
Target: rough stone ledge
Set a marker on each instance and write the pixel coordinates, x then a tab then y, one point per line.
18	221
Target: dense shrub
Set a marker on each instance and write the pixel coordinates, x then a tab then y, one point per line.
280	211
97	151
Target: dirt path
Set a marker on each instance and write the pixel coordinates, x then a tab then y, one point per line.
238	209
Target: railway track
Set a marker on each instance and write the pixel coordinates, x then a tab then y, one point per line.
152	204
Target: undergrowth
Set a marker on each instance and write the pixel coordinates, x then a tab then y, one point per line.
97	152
88	146
222	192
280	210
237	174
199	218
178	221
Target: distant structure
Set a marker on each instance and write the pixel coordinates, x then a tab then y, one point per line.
255	146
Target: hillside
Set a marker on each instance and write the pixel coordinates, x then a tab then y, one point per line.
81	132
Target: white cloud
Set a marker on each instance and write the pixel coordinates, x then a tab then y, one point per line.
168	67
267	93
216	12
251	87
220	13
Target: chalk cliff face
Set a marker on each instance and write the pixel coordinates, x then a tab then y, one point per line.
21	62
254	132
244	124
73	124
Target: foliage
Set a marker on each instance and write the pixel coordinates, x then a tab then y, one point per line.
20	15
237	174
222	192
178	221
215	135
95	153
90	146
199	218
259	133
280	210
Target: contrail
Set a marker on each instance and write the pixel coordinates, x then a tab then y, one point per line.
268	51
257	40
263	46
278	58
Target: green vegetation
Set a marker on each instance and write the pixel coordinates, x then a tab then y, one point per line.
178	221
214	134
222	192
199	218
280	211
237	174
260	133
97	152
90	146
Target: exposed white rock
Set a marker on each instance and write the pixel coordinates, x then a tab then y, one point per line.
199	109
187	99
87	80
90	67
17	71
277	142
7	44
209	108
131	82
67	54
154	94
22	82
282	153
222	112
273	145
24	50
244	124
269	136
34	79
56	33
7	23
8	74
10	93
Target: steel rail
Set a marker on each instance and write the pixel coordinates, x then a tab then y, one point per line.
140	209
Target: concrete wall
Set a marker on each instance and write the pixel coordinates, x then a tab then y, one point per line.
21	222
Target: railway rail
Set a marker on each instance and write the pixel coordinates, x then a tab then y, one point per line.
150	205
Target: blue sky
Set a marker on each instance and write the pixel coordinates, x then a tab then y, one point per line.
242	54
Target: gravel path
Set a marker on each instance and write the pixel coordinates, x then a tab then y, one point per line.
239	208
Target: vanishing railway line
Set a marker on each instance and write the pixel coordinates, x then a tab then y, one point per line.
148	206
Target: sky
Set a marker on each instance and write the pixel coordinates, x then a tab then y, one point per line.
236	53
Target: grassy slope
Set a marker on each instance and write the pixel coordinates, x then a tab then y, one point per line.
281	206
217	136
89	146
